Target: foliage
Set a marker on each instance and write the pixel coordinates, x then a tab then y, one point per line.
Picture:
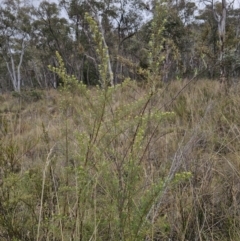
120	162
95	170
103	156
187	34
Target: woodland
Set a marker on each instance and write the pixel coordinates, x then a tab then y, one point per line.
199	38
119	120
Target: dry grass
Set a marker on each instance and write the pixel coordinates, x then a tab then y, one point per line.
104	161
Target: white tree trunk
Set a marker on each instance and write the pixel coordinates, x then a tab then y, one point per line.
15	73
221	21
19	67
109	62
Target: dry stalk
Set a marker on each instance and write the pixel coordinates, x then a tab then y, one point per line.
42	193
180	155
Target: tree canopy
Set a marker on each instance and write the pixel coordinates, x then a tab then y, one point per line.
195	39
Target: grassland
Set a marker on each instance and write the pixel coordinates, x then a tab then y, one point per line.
121	163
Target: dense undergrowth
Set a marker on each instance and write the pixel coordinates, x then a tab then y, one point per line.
120	163
125	162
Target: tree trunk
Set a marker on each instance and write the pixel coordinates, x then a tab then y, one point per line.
221	21
15	73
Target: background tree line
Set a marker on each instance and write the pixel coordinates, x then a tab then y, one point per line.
197	38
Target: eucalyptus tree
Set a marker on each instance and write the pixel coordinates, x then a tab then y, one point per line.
128	19
206	44
232	43
183	28
118	21
221	21
84	55
176	27
15	30
51	33
219	13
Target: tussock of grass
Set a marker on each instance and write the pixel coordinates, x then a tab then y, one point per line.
106	158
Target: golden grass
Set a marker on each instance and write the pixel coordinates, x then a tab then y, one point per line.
202	139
